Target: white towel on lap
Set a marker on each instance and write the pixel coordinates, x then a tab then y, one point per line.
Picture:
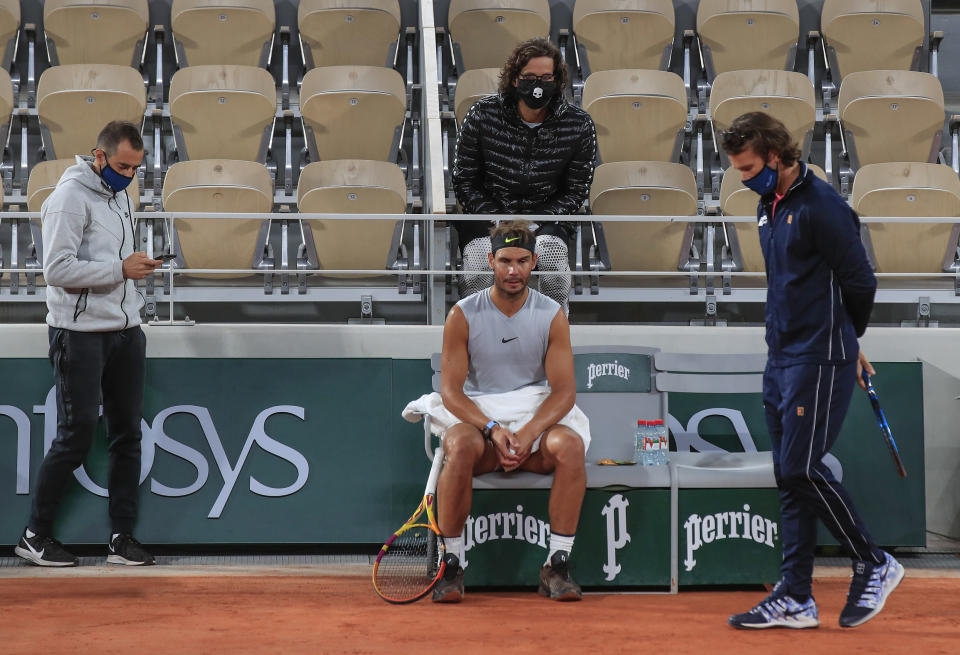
511	409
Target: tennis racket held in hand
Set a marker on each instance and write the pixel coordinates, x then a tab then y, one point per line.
884	427
411	562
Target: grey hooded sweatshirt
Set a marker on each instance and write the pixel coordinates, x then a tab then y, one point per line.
87	233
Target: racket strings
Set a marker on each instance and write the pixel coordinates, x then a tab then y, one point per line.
408	567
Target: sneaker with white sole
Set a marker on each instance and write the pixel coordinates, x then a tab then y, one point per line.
555	580
778	610
124	549
449	588
43	551
871	585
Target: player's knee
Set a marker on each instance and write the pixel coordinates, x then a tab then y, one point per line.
565	446
462	444
791	477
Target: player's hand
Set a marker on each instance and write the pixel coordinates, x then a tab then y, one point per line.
506	444
863	364
138	266
524	444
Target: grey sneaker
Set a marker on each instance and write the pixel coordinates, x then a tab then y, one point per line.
555	580
126	550
449	588
44	551
871	585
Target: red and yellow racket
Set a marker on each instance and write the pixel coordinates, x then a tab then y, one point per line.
411	562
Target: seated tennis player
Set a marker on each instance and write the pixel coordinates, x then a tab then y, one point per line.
507	378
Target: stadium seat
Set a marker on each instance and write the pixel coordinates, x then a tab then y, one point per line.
748	34
95	31
891	116
624	33
485	32
645	188
348	32
909	189
75	101
352	186
863	35
207	32
738	200
44	177
219	185
473	85
786	95
640	115
223	112
353	112
9	29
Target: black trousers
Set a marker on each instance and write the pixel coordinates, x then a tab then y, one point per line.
90	367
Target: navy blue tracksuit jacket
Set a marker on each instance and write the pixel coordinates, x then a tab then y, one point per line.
820	289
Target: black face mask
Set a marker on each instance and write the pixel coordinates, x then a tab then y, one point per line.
536	94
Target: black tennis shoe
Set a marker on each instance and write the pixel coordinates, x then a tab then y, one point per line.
124	549
449	588
869	589
43	551
555	580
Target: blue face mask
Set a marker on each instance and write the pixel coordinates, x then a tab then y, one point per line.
116	181
763	182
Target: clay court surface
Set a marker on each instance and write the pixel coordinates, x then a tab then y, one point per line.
167	610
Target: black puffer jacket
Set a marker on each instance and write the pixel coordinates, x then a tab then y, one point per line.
502	166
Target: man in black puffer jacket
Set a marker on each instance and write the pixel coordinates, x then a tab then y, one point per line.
524	151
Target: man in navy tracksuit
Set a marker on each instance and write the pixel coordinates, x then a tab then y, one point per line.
820	289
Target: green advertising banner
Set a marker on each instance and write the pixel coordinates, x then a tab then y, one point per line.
729	536
623	538
893	507
315	451
236	450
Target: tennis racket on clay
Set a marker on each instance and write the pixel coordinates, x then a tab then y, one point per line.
411	562
884	427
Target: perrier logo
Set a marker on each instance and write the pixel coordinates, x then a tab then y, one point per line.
613	368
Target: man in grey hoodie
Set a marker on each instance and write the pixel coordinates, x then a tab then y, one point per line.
96	345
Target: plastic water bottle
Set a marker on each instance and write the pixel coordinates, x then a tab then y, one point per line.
664	438
653	449
639	453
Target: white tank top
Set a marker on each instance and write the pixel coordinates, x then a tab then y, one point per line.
506	352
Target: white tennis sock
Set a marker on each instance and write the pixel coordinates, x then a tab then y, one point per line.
454	545
559	542
30	533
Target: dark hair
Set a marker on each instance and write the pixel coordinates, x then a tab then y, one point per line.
763	134
514	228
521	56
116	132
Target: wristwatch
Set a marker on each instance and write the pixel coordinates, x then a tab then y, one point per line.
487	431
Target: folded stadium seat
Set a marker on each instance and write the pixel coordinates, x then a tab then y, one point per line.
223	31
219	185
44	177
9	29
352	186
223	112
473	85
738	200
75	101
625	33
909	189
353	112
640	115
646	188
748	34
862	35
485	32
344	32
891	115
786	95
95	31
